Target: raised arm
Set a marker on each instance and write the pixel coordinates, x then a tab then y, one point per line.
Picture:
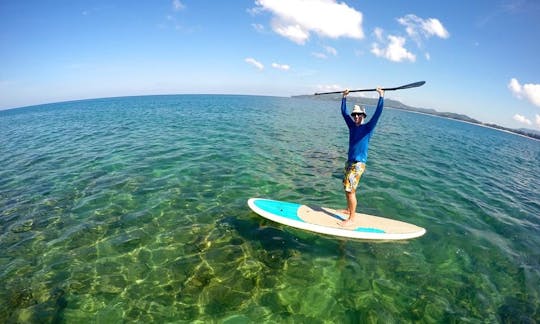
373	121
344	112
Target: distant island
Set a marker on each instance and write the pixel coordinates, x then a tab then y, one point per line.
398	105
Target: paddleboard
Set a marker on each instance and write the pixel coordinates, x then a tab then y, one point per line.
327	221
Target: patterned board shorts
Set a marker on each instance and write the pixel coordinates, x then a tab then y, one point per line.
351	175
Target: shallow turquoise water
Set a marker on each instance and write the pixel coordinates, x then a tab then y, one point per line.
135	209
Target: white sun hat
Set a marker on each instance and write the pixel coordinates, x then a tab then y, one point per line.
358	110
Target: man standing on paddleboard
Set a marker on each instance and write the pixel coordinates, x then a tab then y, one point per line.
359	136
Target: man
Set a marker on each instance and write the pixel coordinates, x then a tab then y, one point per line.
359	136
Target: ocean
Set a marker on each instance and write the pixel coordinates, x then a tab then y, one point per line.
135	209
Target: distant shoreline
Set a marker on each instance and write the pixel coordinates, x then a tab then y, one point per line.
394	104
498	128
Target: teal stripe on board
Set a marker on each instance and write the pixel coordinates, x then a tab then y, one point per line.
281	208
369	230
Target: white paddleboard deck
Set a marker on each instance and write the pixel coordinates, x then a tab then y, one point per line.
328	221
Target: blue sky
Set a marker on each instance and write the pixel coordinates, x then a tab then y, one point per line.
479	58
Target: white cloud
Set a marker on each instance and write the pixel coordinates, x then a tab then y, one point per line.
537	120
378	33
433	26
417	27
283	67
258	27
177	5
293	32
522	119
532	93
297	19
329	88
330	50
319	55
395	51
255	63
260	66
515	88
529	91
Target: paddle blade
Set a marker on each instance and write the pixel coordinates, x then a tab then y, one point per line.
407	86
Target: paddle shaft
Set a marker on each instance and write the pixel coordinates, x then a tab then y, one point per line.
407	86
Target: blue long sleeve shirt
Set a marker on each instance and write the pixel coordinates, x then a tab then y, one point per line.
359	136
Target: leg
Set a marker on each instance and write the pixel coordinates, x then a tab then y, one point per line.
353	172
351	205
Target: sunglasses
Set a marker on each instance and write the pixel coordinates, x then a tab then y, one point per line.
356	114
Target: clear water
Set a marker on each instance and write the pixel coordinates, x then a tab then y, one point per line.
135	209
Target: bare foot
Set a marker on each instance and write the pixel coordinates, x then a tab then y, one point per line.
345	211
347	223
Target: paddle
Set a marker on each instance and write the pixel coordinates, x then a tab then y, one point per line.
407	86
